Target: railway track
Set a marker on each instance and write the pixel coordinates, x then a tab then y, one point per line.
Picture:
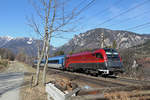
129	88
82	78
91	80
138	82
111	88
110	82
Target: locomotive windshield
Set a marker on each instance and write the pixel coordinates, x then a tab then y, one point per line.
112	54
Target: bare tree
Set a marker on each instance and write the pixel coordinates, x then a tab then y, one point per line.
54	20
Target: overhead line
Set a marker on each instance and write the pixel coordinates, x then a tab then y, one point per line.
138	26
84	8
79	4
141	28
127	19
130	9
107	8
104	10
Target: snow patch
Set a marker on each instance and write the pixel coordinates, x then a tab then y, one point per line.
8	38
76	41
124	39
82	43
118	34
82	35
30	41
88	33
138	37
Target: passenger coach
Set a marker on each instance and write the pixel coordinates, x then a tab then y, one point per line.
56	62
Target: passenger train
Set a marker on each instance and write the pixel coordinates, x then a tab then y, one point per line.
104	61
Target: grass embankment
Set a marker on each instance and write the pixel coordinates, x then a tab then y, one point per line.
29	92
3	65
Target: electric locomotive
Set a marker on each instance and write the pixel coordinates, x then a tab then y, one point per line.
101	61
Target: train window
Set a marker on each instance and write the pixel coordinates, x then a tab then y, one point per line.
53	61
42	61
98	55
109	50
112	56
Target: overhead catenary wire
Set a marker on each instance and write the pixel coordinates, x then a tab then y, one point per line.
86	7
141	25
124	12
130	18
141	28
80	4
107	8
101	12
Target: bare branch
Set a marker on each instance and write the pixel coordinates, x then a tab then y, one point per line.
34	25
37	9
43	3
53	18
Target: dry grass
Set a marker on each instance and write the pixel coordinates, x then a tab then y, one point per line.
35	93
3	65
132	95
117	96
32	93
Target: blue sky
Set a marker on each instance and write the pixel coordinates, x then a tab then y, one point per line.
13	20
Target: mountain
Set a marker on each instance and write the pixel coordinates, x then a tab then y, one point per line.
16	45
142	49
92	39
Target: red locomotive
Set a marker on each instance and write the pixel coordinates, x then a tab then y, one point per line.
102	61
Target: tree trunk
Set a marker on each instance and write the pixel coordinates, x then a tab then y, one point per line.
38	64
44	71
46	63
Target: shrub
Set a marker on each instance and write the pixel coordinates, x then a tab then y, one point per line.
4	63
128	58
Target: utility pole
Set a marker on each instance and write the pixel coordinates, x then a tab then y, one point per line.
102	38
